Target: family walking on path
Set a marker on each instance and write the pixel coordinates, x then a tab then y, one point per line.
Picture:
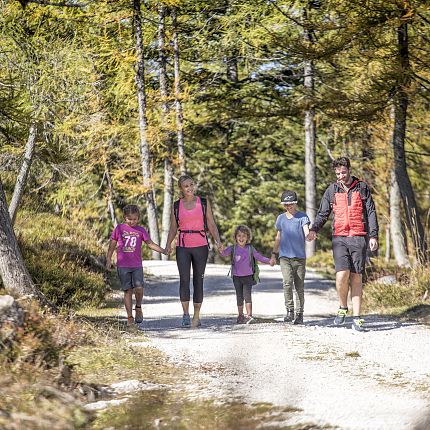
354	228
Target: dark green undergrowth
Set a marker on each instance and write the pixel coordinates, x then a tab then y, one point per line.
64	258
411	289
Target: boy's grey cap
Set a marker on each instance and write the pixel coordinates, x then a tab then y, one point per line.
288	197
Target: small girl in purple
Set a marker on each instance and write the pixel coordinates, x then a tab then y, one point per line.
127	239
242	270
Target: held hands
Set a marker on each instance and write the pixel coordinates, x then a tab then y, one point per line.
272	261
311	236
373	244
220	247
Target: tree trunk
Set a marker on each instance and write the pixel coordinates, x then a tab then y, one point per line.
400	120
165	128
178	103
23	173
13	272
143	125
387	243
397	234
310	144
110	205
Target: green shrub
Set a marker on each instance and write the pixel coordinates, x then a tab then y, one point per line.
409	290
61	256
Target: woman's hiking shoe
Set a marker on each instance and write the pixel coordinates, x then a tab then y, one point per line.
240	319
298	319
290	316
196	323
358	325
186	320
138	317
340	317
130	321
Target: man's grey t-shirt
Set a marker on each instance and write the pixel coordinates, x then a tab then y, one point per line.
292	243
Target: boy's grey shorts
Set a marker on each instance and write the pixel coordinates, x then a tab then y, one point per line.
130	277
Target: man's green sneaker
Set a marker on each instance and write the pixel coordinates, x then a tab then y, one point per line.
358	325
340	317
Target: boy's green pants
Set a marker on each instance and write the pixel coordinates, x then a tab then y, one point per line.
293	273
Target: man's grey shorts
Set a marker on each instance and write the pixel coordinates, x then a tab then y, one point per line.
349	253
130	277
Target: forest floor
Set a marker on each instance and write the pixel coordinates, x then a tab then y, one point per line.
318	373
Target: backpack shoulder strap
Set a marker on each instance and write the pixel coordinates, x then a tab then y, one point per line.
176	211
204	203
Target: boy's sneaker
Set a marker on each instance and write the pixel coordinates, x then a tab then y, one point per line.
240	319
340	317
298	319
186	320
358	325
138	317
290	316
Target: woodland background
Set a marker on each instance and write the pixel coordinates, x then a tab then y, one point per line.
105	103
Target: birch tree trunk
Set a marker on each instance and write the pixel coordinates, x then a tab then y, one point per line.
397	234
165	128
143	126
110	205
14	274
21	180
178	91
398	142
310	144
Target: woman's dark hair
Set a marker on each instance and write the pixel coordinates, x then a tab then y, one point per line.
341	162
130	210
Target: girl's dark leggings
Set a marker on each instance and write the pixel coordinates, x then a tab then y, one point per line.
243	286
185	257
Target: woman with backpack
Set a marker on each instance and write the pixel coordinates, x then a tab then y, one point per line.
192	217
244	270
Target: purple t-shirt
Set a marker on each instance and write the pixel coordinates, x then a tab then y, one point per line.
242	265
129	247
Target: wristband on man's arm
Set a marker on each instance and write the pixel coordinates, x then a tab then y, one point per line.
276	254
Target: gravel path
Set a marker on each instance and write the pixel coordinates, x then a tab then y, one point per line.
336	377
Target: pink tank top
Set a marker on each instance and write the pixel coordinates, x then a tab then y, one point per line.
191	220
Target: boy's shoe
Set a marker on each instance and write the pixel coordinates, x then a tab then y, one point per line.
358	325
340	317
186	320
138	317
249	319
130	321
290	316
298	319
240	319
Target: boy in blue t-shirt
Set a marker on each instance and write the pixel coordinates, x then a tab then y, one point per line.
293	228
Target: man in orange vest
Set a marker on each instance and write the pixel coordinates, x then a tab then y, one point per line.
355	227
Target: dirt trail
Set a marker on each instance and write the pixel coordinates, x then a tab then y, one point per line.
374	380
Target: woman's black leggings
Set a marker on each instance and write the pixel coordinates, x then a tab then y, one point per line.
185	257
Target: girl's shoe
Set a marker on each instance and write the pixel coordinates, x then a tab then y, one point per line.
240	319
186	320
130	321
249	319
